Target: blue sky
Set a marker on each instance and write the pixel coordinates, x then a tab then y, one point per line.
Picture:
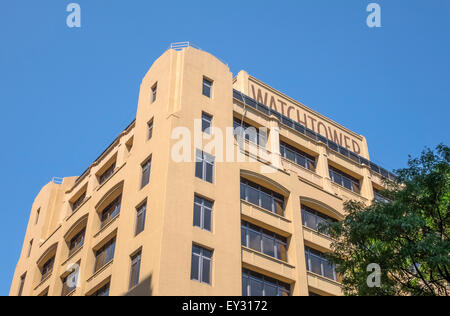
67	93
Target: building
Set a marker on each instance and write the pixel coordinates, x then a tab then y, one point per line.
140	222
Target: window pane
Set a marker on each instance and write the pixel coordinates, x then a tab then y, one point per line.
207	219
195	267
253	195
282	252
244	286
243	237
254	240
266	201
279	207
206	271
197	215
315	264
268	246
270	290
209	172
328	270
256	288
199	169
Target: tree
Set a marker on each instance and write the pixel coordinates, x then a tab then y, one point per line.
407	236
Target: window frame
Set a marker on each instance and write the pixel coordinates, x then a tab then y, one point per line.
135	269
206	160
140	210
316	215
335	174
248	275
203	207
208	84
107	174
150	129
111	209
274	196
74	247
154	90
207	123
310	252
202	256
146	167
111	244
310	161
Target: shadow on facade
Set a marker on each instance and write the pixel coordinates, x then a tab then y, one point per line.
144	288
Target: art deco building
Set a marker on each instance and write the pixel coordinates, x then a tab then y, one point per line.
154	216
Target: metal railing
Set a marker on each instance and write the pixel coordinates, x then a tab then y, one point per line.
180	45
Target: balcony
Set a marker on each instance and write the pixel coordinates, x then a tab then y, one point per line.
262	262
251	211
316	238
323	284
302	172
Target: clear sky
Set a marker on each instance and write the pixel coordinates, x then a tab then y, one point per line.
65	94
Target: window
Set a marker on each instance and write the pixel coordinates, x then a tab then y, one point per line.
76	242
249	132
103	291
154	90
110	212
204	166
146	166
47	268
314	219
255	284
70	283
135	269
378	196
150	129
203	213
262	197
30	246
201	264
317	263
140	218
38	212
206	123
105	254
264	241
22	283
344	179
78	202
207	87
107	174
297	156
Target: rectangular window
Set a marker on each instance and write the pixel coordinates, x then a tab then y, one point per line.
249	132
103	291
78	202
262	197
76	242
207	87
201	265
264	241
146	166
256	284
203	213
318	264
154	90
135	269
70	283
150	129
111	211
378	196
140	218
30	246
343	179
38	213
204	166
22	284
105	254
107	174
206	123
297	156
47	268
314	219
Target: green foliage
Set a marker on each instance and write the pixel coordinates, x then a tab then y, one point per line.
408	237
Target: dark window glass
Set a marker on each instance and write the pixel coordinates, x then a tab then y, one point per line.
140	218
343	179
38	212
317	263
206	123
146	166
107	174
262	197
47	268
135	269
255	284
204	166
207	87
70	283
150	130
30	247
105	254
154	90
314	219
103	291
78	201
203	213
22	283
297	156
201	264
110	212
246	131
264	241
76	242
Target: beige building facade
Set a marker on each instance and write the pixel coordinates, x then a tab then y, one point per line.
179	205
